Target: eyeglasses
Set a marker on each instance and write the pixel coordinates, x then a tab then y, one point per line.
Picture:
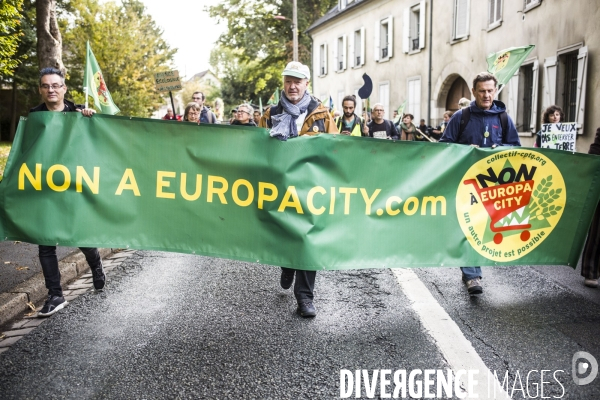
55	86
242	111
377	110
193	112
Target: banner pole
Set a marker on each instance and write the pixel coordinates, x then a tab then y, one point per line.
172	102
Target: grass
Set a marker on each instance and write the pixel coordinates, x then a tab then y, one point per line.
4	150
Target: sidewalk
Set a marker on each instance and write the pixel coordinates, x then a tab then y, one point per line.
21	279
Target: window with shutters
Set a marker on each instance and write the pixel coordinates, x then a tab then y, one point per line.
565	82
522	104
323	59
357	48
413	105
495	13
385	30
384	39
339	55
529	4
461	20
414	28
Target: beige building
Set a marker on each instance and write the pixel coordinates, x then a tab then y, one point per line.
431	69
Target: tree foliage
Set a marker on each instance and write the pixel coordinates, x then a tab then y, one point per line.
128	46
10	33
253	51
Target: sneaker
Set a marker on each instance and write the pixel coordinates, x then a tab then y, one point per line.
286	279
307	309
474	286
52	305
593	283
99	277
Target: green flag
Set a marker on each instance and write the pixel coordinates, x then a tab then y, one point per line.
505	63
260	105
94	85
400	112
274	99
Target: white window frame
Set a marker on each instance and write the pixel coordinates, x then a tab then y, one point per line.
322	60
409	28
360	34
514	104
461	8
358	110
390	39
551	80
340	58
343	4
493	7
531	4
385	100
413	103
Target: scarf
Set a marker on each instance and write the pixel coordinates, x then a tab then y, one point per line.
284	124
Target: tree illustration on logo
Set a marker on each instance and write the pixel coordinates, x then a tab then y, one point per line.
541	205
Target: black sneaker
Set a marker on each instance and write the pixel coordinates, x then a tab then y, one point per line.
307	309
99	277
474	286
52	305
286	279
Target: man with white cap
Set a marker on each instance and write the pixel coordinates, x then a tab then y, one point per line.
298	113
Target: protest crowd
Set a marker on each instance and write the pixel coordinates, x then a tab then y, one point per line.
482	122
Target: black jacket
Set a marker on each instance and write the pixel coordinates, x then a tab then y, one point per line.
69	107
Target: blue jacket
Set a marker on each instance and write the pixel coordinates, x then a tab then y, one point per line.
480	122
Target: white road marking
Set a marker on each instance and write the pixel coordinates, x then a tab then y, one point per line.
457	350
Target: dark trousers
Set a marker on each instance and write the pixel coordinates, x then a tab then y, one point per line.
49	263
304	283
591	252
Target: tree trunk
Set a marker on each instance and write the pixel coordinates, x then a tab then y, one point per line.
49	40
13	111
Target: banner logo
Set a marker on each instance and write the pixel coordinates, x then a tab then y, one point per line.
508	203
501	61
102	90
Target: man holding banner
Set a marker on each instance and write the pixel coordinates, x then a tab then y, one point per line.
484	123
298	113
52	89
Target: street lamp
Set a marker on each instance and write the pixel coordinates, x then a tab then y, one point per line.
294	27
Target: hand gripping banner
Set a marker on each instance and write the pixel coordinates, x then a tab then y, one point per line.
314	202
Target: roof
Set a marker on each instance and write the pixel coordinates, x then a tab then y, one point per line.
333	13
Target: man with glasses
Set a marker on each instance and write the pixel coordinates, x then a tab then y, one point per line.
243	115
379	127
52	89
206	116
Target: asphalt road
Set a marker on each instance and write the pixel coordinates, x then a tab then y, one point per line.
181	326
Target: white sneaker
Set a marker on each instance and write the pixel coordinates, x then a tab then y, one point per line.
593	283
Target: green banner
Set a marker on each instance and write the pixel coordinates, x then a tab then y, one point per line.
313	202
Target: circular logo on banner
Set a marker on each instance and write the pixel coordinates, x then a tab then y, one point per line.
501	61
508	203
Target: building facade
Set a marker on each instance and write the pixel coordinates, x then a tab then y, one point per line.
426	53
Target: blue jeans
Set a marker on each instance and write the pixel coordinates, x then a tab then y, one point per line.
469	273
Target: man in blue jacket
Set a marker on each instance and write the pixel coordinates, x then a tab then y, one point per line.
484	123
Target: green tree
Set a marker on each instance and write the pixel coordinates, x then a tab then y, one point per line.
10	33
128	46
253	51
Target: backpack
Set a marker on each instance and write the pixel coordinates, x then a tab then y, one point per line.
339	121
466	116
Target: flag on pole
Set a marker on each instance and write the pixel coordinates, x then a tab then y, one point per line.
274	99
331	106
400	112
260	105
94	85
505	63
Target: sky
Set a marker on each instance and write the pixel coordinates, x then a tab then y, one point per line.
187	27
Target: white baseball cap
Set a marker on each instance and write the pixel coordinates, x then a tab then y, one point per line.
296	69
